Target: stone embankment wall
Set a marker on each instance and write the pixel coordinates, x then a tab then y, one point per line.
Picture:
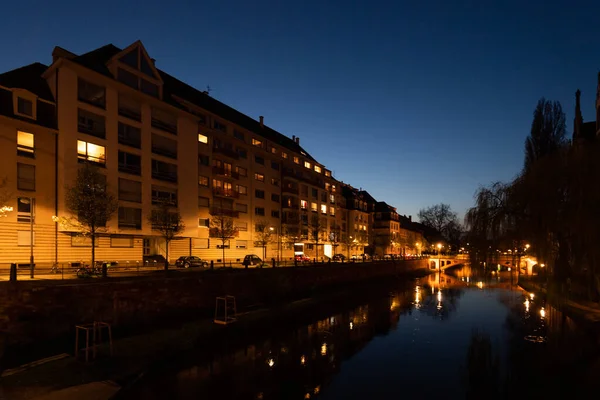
36	311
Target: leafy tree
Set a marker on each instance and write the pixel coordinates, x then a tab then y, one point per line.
168	223
548	132
5	197
91	204
441	218
263	235
316	229
222	227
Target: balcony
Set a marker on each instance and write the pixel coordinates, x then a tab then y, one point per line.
293	206
226	152
130	225
225	212
214	233
299	175
165	126
164	151
221	192
130	169
290	219
225	172
165	176
291	190
130	112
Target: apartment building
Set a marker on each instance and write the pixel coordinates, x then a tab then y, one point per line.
386	229
157	140
357	223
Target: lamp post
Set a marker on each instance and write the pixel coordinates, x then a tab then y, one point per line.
272	230
439	246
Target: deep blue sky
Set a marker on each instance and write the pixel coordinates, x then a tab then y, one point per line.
418	102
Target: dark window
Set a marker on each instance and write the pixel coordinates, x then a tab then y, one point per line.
130	135
131	58
275	197
220	127
203	160
164	120
274	213
145	67
242	152
274	182
315	193
243	208
164	195
128	78
259	194
25	176
164	171
90	93
90	123
204	222
130	163
130	218
238	135
275	165
259	160
130	190
259	211
130	108
164	146
203	202
25	206
149	88
24	107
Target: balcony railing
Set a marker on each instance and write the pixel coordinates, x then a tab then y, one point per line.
226	152
164	151
225	212
290	220
214	233
291	190
293	206
130	224
165	176
130	169
225	172
225	193
165	126
130	113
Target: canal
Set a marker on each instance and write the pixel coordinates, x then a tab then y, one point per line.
455	336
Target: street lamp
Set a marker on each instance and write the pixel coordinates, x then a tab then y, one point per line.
30	201
439	246
272	230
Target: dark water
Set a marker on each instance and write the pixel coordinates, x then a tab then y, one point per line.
453	336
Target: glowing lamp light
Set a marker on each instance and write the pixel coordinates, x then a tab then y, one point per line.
542	312
527	305
531	295
302	360
351	325
270	362
324	349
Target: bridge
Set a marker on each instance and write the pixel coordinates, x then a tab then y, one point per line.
443	262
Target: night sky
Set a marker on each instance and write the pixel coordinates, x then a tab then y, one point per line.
419	102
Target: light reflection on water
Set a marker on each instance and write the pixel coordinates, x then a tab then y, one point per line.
463	335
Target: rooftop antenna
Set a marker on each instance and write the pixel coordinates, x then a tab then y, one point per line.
208	90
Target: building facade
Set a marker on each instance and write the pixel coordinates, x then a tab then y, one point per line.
159	140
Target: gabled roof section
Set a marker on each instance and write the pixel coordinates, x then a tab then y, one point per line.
98	60
382	206
29	78
135	56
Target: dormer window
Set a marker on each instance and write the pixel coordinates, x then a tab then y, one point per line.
24	104
135	69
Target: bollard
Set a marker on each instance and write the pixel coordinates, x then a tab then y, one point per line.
273	261
104	270
13	272
212	265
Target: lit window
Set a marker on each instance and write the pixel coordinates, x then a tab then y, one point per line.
323	209
327	173
284	154
333	188
306	164
241	171
304	204
91	152
203	180
241	189
296	160
259	177
317	169
313	207
256	142
331	211
202	138
273	150
25	144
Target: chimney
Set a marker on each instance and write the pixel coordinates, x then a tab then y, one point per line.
410	218
297	140
294	138
262	121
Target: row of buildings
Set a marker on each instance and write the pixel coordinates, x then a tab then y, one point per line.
160	140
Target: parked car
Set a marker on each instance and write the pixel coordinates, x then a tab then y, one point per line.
389	256
339	257
191	261
252	260
359	257
302	258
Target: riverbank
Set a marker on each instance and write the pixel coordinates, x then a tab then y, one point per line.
67	378
585	312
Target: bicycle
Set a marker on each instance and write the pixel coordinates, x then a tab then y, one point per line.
85	271
54	269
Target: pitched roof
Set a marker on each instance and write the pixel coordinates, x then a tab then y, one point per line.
97	59
29	78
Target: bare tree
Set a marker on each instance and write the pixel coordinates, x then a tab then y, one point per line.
5	197
168	223
441	218
264	235
91	204
316	230
548	131
222	228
